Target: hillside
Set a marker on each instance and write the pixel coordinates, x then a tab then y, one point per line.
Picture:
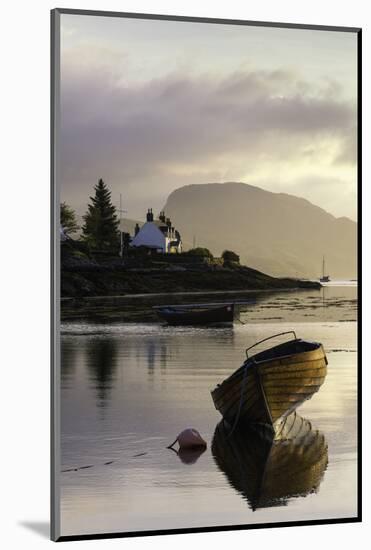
276	233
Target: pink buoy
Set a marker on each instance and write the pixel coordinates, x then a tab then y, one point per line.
189	439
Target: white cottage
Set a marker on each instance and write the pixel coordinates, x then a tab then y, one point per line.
158	235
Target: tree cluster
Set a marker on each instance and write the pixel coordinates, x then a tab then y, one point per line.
101	232
101	225
230	257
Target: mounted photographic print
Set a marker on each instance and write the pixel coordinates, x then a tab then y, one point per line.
205	203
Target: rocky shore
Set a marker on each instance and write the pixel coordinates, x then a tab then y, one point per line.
111	287
82	277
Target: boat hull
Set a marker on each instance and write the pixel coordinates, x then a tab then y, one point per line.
265	392
197	316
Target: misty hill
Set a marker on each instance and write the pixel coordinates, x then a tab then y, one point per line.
276	233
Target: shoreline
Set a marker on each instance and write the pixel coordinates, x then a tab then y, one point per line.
182	293
139	307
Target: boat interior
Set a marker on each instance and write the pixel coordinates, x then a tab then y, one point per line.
285	349
282	350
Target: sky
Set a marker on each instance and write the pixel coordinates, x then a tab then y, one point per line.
150	106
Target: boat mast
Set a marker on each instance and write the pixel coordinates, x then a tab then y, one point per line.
323	266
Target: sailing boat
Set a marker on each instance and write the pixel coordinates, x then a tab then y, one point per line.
324	278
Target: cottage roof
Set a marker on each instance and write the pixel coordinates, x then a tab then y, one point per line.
161	225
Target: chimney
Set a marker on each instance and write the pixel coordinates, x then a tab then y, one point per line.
149	215
137	229
162	217
168	222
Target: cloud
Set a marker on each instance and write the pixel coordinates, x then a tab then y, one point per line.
154	136
348	149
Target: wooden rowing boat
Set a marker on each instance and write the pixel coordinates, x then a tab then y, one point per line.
270	470
273	383
197	314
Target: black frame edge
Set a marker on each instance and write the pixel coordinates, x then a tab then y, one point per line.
52	289
54	280
359	272
195	530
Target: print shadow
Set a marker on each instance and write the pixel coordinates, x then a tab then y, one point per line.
42	528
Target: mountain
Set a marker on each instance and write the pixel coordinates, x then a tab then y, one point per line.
276	233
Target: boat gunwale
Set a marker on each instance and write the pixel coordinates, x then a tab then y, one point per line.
280	357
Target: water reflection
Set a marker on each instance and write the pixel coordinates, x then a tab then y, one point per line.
189	456
329	303
151	356
166	347
157	352
101	361
270	471
141	412
68	363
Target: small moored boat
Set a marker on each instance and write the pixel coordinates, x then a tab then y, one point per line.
324	278
272	383
196	314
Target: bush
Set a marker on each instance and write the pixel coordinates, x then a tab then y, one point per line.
199	251
230	256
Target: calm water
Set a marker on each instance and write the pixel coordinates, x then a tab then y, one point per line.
128	390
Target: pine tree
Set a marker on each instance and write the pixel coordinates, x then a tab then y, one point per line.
68	219
100	229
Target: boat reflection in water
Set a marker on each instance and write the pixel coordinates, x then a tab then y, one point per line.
270	469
